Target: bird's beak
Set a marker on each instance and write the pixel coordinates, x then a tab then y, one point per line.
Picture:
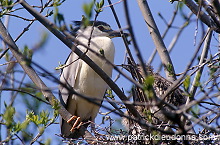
113	34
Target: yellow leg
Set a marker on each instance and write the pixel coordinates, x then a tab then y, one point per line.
71	119
79	125
75	123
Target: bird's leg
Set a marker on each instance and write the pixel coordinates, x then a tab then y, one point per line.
80	124
71	119
75	123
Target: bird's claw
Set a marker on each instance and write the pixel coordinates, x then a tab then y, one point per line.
80	124
72	118
76	124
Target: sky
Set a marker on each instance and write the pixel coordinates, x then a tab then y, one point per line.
55	51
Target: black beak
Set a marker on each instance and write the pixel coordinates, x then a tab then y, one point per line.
113	34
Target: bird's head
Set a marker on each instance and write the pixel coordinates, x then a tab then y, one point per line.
98	29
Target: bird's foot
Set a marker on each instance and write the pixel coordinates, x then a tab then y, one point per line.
80	124
76	124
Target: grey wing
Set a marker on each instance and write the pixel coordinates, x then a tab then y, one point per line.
68	77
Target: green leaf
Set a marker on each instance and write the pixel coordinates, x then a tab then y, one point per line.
55	104
147	115
58	17
48	141
213	69
186	83
99	6
28	53
109	94
197	83
41	119
7	57
6	6
8	116
20	126
55	115
25	50
181	5
57	2
30	116
88	9
195	110
148	86
17	127
102	52
39	95
44	117
169	68
27	89
85	21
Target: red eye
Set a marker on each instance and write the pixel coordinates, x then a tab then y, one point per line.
101	28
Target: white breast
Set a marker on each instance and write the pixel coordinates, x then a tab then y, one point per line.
88	82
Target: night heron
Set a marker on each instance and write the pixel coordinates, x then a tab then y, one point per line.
81	77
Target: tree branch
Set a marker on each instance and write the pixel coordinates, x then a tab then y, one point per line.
120	28
201	61
158	41
202	16
136	48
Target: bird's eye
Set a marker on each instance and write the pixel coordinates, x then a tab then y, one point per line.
101	28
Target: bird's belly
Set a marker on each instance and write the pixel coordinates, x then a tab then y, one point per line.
90	85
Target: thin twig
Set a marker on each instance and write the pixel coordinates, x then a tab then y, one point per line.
120	28
176	37
22	91
137	50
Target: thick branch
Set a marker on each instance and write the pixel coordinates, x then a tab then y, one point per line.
158	41
202	16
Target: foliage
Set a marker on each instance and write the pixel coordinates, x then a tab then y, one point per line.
186	83
7	5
